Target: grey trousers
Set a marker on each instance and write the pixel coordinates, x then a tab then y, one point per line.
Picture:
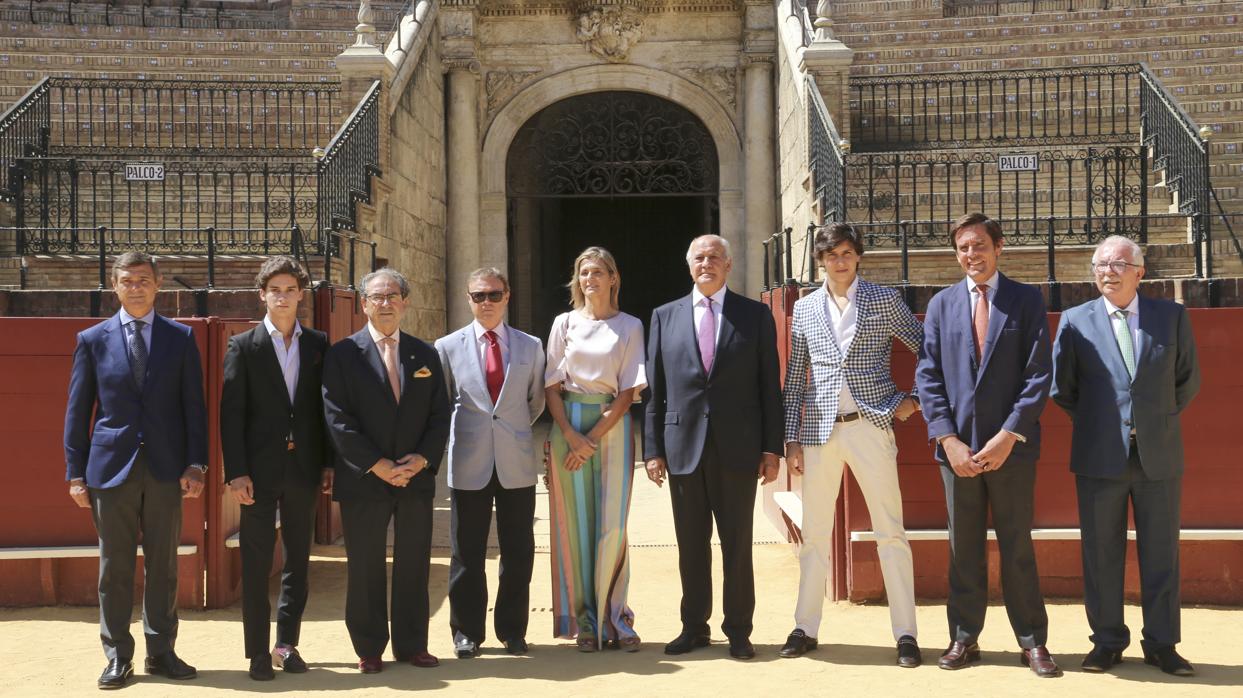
140	505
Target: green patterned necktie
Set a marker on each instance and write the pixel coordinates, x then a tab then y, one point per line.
1122	331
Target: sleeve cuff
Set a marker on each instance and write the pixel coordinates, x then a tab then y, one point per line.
1022	439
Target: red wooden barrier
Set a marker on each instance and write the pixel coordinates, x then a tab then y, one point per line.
35	509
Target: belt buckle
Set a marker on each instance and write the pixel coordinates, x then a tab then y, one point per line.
289	446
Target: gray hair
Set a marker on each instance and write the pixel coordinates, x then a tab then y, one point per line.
390	273
1136	253
488	273
711	238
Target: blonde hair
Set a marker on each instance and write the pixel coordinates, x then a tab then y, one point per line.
605	259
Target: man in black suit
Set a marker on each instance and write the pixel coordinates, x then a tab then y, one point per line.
276	454
388	414
714	424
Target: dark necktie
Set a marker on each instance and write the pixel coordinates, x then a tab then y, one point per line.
494	370
137	353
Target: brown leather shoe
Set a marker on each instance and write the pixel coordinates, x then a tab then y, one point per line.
959	655
370	665
424	660
1041	662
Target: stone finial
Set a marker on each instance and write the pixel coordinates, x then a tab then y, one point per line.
824	20
1206	132
366	26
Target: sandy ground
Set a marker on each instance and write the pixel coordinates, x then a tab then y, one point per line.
55	651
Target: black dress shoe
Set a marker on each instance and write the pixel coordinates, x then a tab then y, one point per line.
686	642
516	646
261	668
286	657
171	666
909	655
464	647
116	674
798	644
1101	659
959	655
1169	661
741	649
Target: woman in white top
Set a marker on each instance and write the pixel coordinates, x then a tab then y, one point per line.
595	370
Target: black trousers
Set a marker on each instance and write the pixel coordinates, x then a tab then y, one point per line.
367	603
140	505
715	491
294	494
1103	524
1008	493
471	517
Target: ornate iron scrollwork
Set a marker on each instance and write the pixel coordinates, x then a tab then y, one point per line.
612	144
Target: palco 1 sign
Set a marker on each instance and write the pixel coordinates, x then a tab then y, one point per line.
1018	162
144	172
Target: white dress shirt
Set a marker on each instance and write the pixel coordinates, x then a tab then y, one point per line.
1132	319
973	291
482	345
842	322
718	300
288	357
127	319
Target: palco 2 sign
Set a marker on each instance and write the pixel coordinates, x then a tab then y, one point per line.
1018	162
144	172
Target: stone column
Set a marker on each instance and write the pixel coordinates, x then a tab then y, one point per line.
462	228
760	171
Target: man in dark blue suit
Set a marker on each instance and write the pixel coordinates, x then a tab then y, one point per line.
1124	369
983	379
388	413
135	444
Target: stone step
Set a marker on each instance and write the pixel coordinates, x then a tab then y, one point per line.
52	63
181	46
24	29
1169	30
897	15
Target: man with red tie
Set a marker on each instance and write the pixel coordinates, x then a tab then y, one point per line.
495	379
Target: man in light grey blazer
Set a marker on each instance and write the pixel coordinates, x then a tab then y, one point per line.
1124	369
840	403
495	376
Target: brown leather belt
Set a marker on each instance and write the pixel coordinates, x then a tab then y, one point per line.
289	446
843	418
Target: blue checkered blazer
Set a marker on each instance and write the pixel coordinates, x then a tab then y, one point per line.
811	405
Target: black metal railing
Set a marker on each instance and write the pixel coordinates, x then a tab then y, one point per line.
1089	105
56	198
983	8
23	133
349	162
825	155
188	14
1108	187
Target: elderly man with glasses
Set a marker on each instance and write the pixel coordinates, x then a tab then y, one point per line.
1124	369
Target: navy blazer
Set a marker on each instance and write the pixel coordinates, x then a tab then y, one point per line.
1006	390
741	396
367	424
108	417
257	416
1091	383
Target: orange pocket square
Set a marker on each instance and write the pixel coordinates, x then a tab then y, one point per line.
424	372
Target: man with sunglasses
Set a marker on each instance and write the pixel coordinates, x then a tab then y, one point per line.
1124	369
495	378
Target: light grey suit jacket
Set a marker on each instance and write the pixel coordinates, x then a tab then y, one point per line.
484	435
1091	383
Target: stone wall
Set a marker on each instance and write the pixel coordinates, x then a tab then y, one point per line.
794	185
410	229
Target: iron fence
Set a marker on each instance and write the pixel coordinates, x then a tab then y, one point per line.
1090	105
1178	148
982	8
57	198
826	157
348	163
23	133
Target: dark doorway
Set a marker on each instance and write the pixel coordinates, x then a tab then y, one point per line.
627	171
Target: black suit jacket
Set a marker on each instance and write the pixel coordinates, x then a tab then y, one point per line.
256	415
741	398
366	424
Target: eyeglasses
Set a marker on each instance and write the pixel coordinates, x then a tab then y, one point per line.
384	298
481	296
1117	266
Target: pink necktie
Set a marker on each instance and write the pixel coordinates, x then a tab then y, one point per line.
388	349
707	336
980	321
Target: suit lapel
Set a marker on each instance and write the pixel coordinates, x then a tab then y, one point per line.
116	335
267	351
306	360
820	318
371	355
162	336
1143	345
686	318
516	351
474	383
730	308
863	306
1098	319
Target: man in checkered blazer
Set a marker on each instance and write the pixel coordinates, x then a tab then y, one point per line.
840	403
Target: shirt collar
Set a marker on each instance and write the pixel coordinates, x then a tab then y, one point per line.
850	292
718	297
271	328
376	335
126	318
502	333
991	283
1131	308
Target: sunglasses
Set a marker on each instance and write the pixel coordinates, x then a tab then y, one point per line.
481	296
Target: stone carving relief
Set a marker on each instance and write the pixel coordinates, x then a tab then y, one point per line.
609	32
500	85
720	81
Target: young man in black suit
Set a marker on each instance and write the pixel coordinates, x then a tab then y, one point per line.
276	455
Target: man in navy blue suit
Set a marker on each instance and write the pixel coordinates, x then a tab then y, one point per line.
983	379
135	444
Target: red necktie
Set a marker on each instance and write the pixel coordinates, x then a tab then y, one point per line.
494	370
981	321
